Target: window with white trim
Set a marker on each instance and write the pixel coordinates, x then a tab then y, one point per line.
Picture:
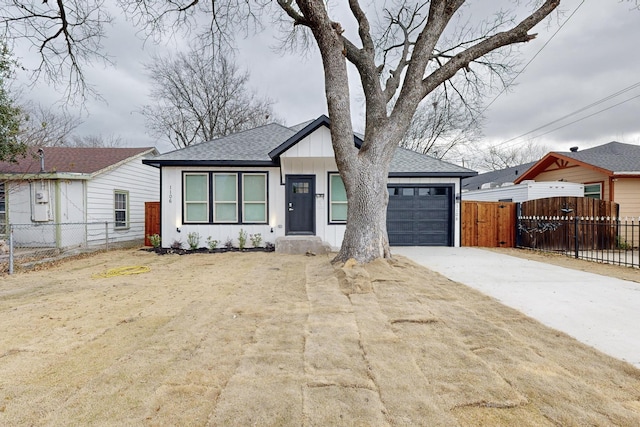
225	197
593	191
337	199
196	197
254	197
121	208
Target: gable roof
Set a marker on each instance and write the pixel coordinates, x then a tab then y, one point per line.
499	177
262	146
304	132
613	158
73	160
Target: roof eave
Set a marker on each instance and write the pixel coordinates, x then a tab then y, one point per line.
123	161
192	163
432	174
551	157
20	176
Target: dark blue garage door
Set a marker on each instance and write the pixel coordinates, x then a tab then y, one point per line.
420	215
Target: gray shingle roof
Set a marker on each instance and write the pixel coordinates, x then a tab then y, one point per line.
499	177
252	147
408	162
614	156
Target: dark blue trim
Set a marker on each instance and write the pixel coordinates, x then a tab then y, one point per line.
329	222
303	133
239	194
194	163
427	174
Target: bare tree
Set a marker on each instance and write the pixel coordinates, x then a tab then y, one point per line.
46	127
424	57
442	127
402	51
496	157
200	97
67	34
96	141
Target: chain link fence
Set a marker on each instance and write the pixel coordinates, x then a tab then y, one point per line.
26	245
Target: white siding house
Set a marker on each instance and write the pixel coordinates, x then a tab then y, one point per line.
279	182
66	197
527	190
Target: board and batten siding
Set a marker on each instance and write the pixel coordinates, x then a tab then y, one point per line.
627	195
577	174
142	183
171	210
320	167
316	144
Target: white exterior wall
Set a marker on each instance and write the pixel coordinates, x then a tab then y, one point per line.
20	206
319	167
70	209
317	144
171	210
142	182
526	191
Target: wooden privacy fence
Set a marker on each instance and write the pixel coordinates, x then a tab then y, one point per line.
568	224
488	224
569	206
151	220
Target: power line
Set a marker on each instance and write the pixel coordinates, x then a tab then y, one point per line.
590	115
475	119
580	110
532	58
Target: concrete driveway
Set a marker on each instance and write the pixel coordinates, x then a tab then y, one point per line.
601	311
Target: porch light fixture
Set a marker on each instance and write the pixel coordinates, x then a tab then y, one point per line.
178	229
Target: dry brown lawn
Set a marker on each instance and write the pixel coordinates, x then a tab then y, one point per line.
265	339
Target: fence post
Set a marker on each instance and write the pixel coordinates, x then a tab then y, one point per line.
517	225
106	233
575	237
10	249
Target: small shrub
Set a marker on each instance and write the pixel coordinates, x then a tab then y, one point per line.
177	244
228	243
242	239
155	240
212	244
270	247
622	244
256	240
193	240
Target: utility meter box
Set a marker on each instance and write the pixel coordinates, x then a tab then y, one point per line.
42	196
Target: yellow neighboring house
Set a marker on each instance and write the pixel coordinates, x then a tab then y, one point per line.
609	172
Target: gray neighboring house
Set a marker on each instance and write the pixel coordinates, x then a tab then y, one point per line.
283	181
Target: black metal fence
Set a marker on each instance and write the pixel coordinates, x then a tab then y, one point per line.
603	239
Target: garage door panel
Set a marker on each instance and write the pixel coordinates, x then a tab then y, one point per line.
419	215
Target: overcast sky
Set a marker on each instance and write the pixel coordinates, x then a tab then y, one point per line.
593	56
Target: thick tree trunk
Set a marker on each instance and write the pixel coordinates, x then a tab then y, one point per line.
365	238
